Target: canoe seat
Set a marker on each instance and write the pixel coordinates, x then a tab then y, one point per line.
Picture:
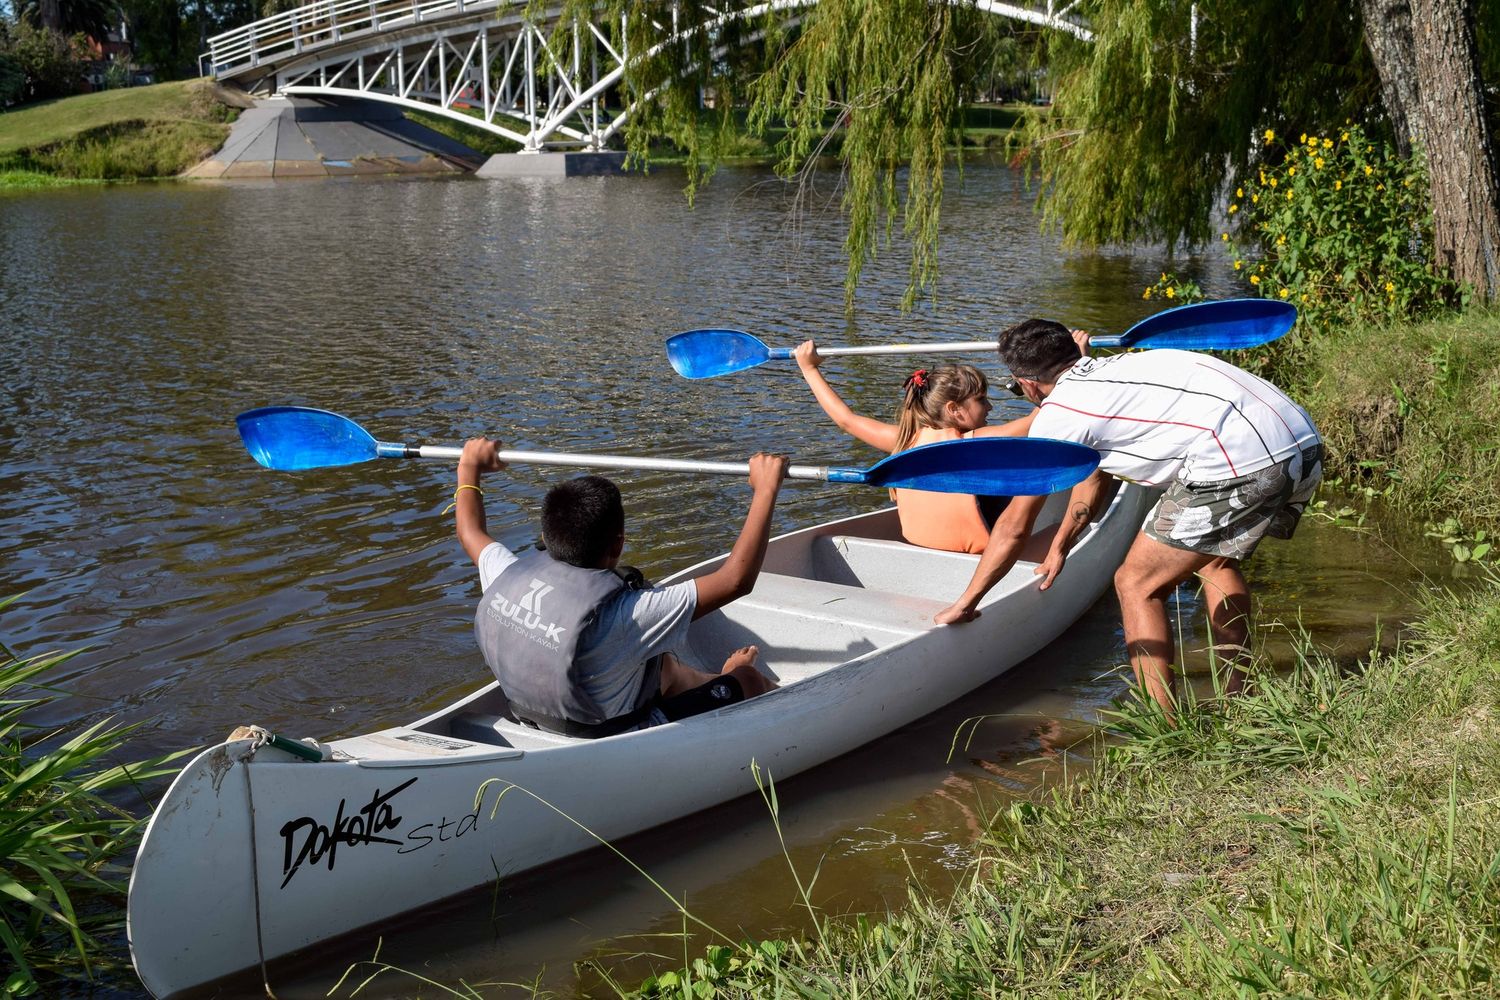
894	567
806	626
477	728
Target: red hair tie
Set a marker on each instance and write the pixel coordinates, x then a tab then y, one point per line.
917	378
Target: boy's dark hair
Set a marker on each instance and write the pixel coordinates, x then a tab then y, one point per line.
1037	349
581	519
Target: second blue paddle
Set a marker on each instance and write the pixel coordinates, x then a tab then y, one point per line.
1221	325
295	438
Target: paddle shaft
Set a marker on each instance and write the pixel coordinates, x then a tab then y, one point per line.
964	347
822	473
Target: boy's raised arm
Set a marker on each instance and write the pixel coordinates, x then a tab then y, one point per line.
736	576
479	456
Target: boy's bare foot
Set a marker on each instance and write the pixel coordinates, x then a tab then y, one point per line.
741	664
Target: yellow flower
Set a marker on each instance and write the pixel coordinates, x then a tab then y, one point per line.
1344	137
1270	135
1318	163
1272	182
1304	296
1289	196
1327	143
1239	192
1255	199
1338	185
1254	279
1304	137
1224	237
1283	293
1164	276
1406	183
1262	176
1171	292
1238	264
1280	240
1146	294
1379	187
1369	170
1390	286
1291	171
1233	209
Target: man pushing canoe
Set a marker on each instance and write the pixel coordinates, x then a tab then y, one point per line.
1238	461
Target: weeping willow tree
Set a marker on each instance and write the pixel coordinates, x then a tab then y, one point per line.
1150	119
878	83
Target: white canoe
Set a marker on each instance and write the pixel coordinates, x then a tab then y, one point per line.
254	854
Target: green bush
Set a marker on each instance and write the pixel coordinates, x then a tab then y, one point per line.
1340	226
62	885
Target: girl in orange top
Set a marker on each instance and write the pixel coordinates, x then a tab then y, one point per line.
943	404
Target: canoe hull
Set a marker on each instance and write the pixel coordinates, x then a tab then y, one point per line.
249	846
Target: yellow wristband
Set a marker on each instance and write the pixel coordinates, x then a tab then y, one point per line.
461	488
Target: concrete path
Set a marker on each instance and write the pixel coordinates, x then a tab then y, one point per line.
301	137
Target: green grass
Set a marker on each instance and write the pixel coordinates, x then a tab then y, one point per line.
1410	412
1335	834
140	132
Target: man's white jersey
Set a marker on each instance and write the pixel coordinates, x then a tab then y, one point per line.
1159	415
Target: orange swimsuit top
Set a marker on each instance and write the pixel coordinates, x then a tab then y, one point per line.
947	521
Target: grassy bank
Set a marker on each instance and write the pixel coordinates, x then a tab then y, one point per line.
1411	412
136	133
1336	834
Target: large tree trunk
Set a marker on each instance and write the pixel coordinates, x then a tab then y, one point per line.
1389	39
1465	217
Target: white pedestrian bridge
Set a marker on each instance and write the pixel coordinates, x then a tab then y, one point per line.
499	65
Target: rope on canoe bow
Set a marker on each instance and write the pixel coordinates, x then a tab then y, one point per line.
310	750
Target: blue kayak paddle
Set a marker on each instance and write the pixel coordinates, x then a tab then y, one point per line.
293	438
1221	325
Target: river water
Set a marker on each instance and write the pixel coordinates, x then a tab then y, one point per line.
136	321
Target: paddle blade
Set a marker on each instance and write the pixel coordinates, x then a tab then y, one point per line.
292	438
1220	325
988	466
706	353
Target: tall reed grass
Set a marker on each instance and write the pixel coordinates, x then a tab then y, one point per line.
63	837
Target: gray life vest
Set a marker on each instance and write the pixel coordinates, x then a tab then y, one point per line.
528	625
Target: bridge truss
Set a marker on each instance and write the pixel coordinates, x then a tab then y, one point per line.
483	62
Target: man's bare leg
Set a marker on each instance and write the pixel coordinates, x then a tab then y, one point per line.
1143	583
1228	597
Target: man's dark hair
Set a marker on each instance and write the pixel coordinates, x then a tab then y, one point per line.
581	519
1037	349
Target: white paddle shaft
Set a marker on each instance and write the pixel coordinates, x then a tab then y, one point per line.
971	347
818	472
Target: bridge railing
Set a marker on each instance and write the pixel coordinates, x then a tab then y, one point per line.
325	23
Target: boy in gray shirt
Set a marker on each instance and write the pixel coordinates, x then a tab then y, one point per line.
578	646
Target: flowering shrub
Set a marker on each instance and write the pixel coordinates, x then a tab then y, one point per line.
1171	290
1340	227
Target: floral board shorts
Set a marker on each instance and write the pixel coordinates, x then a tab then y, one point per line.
1230	517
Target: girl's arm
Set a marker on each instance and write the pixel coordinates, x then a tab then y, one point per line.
875	433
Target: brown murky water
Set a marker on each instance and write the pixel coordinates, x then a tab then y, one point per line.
136	321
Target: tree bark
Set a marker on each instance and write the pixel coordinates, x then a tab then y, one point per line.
1388	36
1465	217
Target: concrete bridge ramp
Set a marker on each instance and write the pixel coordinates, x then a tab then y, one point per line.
319	137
